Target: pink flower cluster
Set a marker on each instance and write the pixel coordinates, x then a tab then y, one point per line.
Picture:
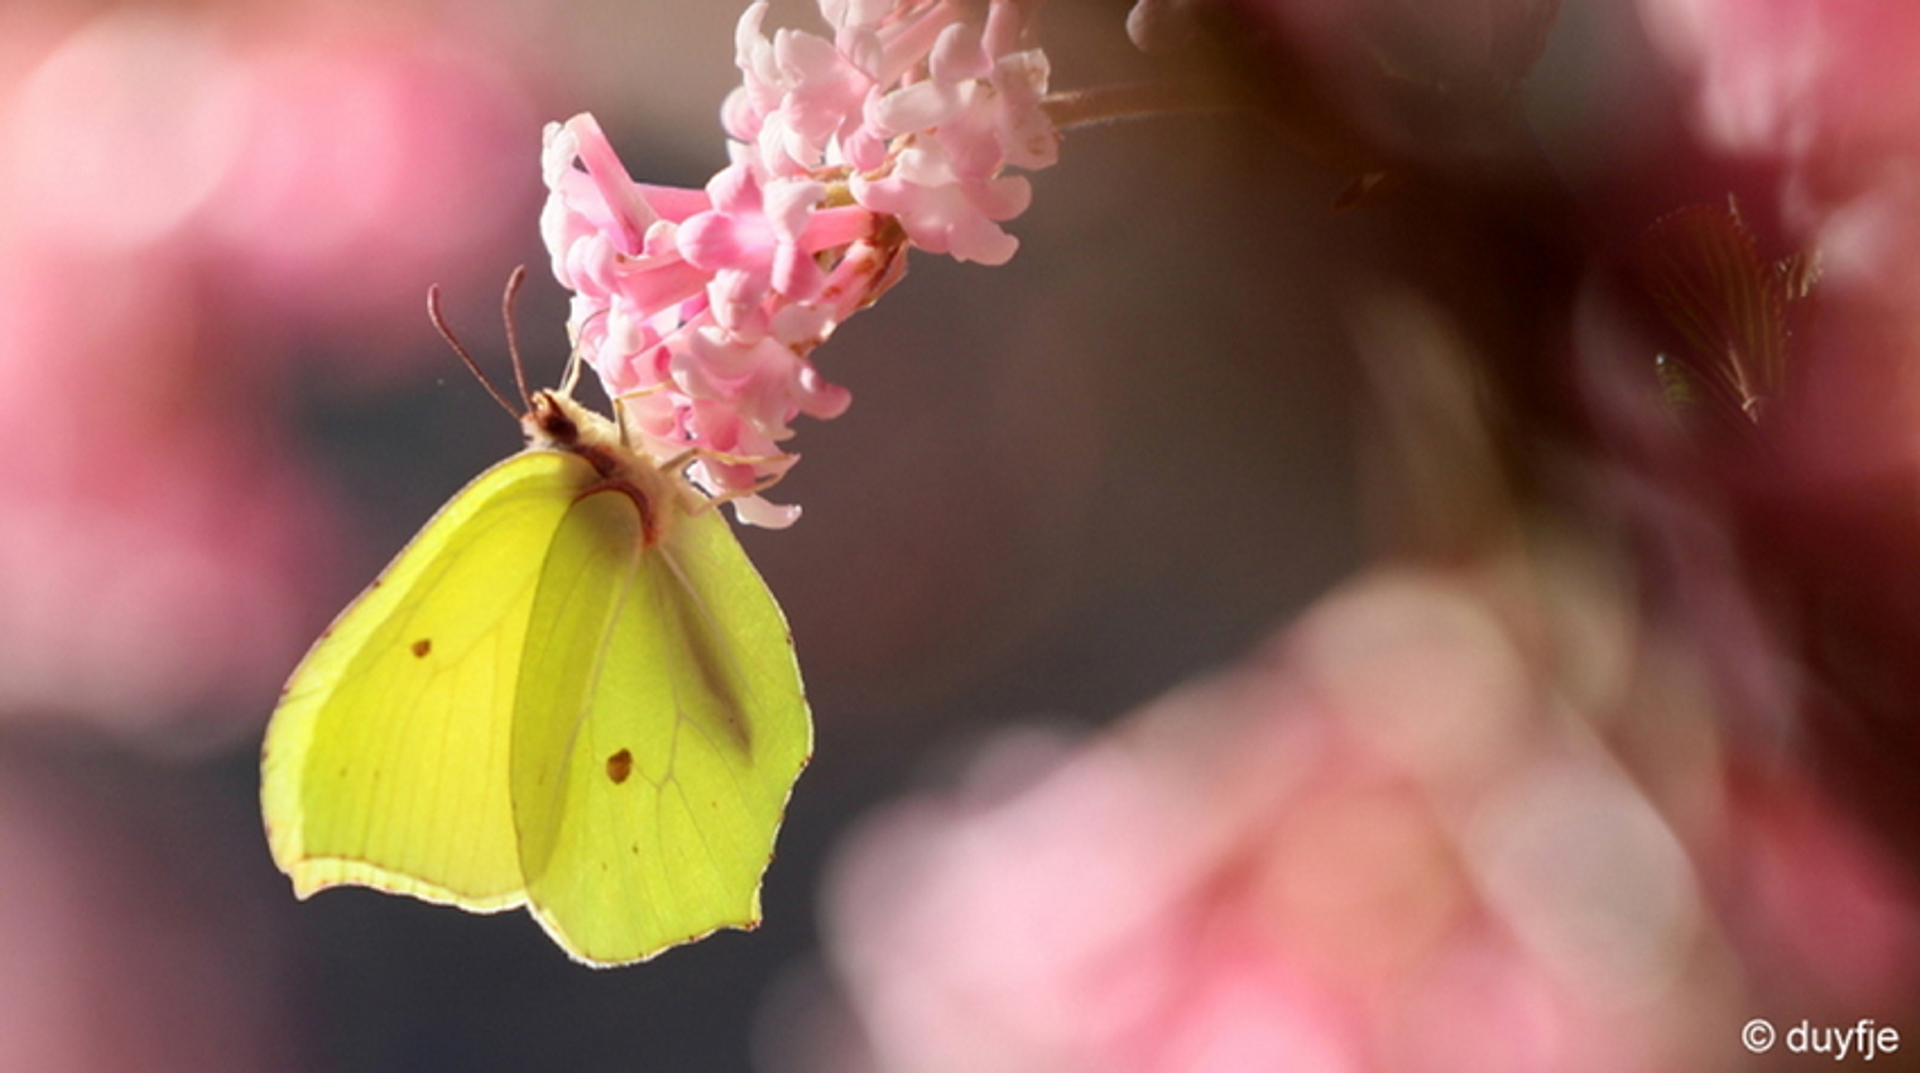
699	308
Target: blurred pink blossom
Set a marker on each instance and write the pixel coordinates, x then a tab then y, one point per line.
1824	87
1800	79
152	548
325	164
1821	93
178	188
1823	908
1266	871
406	131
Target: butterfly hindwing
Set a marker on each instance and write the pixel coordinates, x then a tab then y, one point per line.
653	760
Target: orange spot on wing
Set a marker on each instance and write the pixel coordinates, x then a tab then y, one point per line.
620	766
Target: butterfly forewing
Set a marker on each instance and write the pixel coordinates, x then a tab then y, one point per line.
386	763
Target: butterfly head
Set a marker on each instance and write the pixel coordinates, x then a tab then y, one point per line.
552	421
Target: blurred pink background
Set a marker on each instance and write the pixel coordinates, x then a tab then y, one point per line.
1244	635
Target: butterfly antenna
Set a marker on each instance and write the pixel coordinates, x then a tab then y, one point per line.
514	280
440	324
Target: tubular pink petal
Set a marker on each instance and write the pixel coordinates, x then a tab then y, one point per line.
691	309
709	241
735	299
1027	136
631	215
864	272
674	203
721	357
906	42
978	239
972	138
920	106
771	149
733	189
616	373
586	265
1005	25
737	115
866	148
788	205
660	284
688	375
836	12
849	14
662	240
796	324
1000	199
558	148
714	241
625	331
763	404
884	197
924	163
862	48
818	398
796	276
1021	78
718	429
830	229
747	38
957	55
805	57
654	416
757	511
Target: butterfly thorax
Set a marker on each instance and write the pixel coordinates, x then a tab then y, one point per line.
554	422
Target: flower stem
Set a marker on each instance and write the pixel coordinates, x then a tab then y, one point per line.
1133	100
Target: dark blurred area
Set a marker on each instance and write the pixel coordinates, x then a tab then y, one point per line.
1412	566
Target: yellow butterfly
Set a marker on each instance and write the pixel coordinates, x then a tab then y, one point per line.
570	691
